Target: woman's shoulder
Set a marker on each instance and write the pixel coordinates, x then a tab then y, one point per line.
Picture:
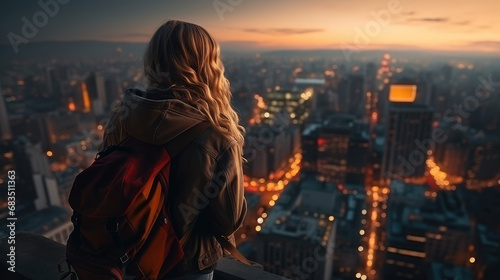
214	141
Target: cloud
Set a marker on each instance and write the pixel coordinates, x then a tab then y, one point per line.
411	13
426	19
283	31
486	44
463	22
243	45
484	26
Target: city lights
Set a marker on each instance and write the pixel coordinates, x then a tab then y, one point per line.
276	183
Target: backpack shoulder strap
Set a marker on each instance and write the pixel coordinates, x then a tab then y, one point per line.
175	146
233	250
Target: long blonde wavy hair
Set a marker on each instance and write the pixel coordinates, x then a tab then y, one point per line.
184	57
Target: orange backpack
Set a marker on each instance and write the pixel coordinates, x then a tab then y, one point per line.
121	226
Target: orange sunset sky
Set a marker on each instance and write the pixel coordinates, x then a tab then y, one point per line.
454	25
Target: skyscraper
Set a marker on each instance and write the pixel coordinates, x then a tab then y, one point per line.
97	90
421	230
294	103
407	137
333	148
298	237
53	82
5	133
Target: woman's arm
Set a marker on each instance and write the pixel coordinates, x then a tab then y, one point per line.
228	207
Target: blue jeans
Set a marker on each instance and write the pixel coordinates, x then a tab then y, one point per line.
196	276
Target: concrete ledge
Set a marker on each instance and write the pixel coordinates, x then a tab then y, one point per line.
37	258
229	268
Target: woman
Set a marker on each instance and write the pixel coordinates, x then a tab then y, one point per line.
186	86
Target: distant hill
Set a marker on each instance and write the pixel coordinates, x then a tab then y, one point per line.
85	50
70	50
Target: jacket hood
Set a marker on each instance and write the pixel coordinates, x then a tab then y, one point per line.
155	116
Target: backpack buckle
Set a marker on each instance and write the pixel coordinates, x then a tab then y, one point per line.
124	258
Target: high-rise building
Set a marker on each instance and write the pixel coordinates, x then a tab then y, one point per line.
295	104
407	137
421	230
336	149
45	182
450	155
485	210
310	147
97	91
298	243
113	91
333	148
371	77
13	158
351	95
36	185
356	97
5	132
358	154
442	271
469	155
269	149
53	82
484	158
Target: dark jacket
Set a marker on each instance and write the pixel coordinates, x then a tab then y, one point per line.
206	194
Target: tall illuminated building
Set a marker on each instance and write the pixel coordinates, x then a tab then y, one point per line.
383	81
53	79
113	91
97	91
36	185
421	230
269	156
295	104
356	95
297	239
336	149
86	102
407	137
351	94
371	77
13	156
333	148
5	132
469	156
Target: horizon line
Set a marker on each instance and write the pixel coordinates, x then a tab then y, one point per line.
266	49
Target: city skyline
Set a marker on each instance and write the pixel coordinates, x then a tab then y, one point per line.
371	145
